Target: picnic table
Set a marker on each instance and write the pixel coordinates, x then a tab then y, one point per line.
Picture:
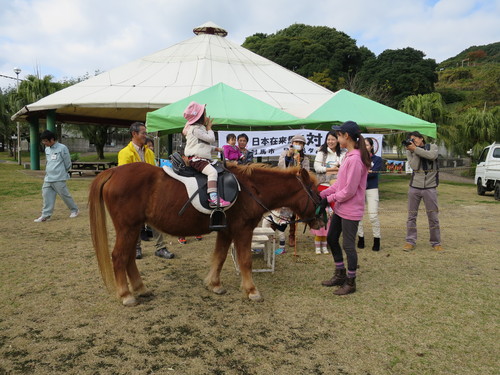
90	166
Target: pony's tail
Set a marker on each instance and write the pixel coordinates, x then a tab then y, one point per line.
98	230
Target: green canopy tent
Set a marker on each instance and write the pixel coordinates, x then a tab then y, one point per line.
345	105
229	108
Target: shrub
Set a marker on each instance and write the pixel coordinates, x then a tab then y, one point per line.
458	74
451	95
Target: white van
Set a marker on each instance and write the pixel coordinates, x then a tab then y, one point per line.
487	176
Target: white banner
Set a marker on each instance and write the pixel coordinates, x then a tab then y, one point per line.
273	143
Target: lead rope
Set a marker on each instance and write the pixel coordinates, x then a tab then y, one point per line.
295	222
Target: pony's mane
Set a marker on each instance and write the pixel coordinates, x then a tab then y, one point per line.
248	169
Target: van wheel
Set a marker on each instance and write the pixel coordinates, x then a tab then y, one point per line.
497	191
480	189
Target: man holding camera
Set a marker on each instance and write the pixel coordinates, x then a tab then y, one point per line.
422	158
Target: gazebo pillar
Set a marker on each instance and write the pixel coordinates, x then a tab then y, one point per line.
34	143
51	121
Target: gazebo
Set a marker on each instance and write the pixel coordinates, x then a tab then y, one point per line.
127	93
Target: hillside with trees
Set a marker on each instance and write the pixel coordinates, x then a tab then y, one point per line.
461	94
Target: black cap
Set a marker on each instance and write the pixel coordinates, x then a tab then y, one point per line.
349	127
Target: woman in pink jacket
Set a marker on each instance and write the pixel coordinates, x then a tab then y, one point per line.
348	193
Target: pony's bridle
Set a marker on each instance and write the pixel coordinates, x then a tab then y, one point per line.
310	195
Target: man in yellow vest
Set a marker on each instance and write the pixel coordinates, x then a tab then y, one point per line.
138	151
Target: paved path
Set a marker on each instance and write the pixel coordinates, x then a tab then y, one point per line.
443	176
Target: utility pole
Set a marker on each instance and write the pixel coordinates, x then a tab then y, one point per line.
17	71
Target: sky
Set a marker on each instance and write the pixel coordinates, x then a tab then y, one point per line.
72	38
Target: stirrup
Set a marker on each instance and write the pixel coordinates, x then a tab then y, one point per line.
217	220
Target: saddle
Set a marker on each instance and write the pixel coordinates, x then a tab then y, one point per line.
196	183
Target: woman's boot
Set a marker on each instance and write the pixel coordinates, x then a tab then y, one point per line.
376	244
361	242
348	287
338	278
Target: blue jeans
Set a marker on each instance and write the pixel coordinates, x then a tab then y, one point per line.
49	193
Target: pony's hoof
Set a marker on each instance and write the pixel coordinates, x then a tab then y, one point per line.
144	292
129	301
255	297
219	290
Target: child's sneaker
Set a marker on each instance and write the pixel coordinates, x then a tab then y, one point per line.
199	238
325	250
181	240
222	203
280	250
318	251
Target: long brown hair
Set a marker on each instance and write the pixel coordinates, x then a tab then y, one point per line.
365	154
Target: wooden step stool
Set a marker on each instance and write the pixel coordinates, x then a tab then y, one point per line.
263	239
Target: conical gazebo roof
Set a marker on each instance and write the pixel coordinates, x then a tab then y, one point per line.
128	92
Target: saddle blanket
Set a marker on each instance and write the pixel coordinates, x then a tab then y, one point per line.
192	187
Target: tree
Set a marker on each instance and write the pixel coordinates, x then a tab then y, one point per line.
7	126
323	78
33	88
400	73
428	107
476	55
321	52
98	135
479	129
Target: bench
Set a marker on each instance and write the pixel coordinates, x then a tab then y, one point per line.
81	167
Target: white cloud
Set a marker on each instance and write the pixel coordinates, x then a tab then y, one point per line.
70	38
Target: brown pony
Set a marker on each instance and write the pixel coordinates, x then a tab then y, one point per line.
139	193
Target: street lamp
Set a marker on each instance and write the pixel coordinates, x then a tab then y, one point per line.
17	71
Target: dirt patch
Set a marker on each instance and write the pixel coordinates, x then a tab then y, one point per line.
414	313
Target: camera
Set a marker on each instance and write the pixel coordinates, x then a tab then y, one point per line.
407	142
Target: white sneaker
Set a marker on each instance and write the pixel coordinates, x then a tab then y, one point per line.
325	250
318	251
41	219
74	214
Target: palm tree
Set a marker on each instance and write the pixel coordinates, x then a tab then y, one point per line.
428	107
33	88
8	104
479	128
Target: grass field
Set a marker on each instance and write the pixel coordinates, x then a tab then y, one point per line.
422	312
